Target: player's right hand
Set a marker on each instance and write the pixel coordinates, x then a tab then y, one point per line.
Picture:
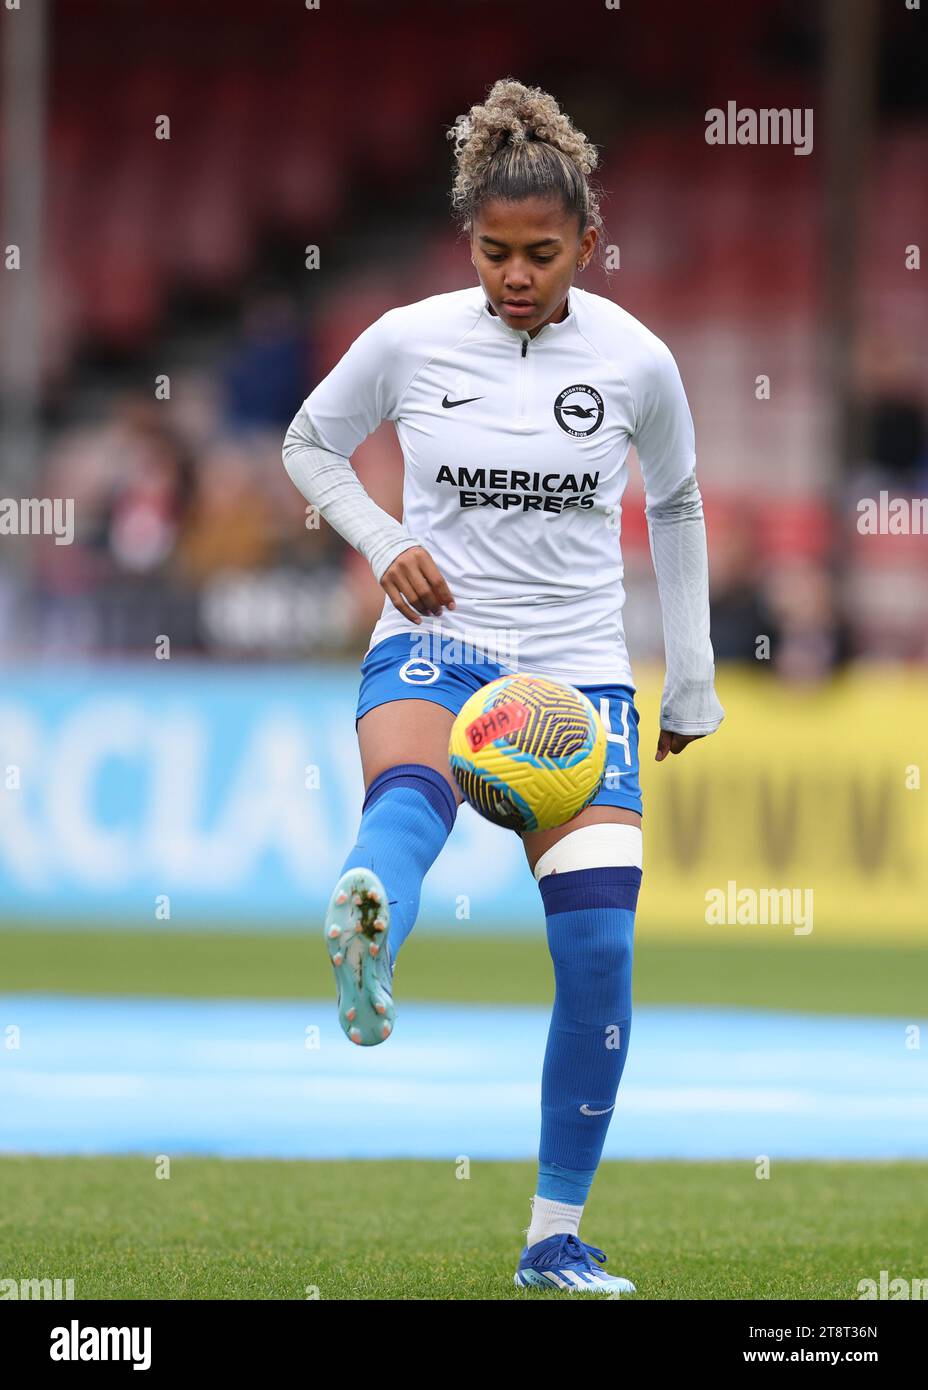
414	582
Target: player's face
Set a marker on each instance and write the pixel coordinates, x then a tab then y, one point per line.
525	254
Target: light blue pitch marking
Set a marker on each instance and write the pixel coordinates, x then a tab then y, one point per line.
236	1078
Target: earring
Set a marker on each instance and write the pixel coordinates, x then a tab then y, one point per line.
581	265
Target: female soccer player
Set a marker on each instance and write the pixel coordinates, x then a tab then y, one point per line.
515	404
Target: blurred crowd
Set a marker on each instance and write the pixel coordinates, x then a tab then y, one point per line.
186	524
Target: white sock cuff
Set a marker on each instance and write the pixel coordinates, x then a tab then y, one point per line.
550	1218
606	845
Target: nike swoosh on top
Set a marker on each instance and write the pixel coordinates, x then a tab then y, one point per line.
585	1110
449	405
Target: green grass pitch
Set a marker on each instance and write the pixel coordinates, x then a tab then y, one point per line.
794	973
414	1230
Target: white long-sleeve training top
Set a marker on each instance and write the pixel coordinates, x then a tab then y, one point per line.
516	460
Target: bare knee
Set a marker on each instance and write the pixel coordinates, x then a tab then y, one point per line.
406	731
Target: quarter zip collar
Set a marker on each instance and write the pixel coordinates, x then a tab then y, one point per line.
521	335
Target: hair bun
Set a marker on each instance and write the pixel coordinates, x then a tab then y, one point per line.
512	114
518	144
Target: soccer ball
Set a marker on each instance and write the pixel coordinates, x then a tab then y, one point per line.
528	753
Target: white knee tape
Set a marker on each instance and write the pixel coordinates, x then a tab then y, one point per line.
593	847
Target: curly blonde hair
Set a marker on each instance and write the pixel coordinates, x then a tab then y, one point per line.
520	144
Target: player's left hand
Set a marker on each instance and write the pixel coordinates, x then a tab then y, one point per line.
669	742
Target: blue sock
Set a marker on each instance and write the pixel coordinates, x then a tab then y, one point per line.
590	917
406	818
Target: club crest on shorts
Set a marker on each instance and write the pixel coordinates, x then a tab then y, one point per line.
579	410
418	670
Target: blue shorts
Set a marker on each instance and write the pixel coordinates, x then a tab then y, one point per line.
389	672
